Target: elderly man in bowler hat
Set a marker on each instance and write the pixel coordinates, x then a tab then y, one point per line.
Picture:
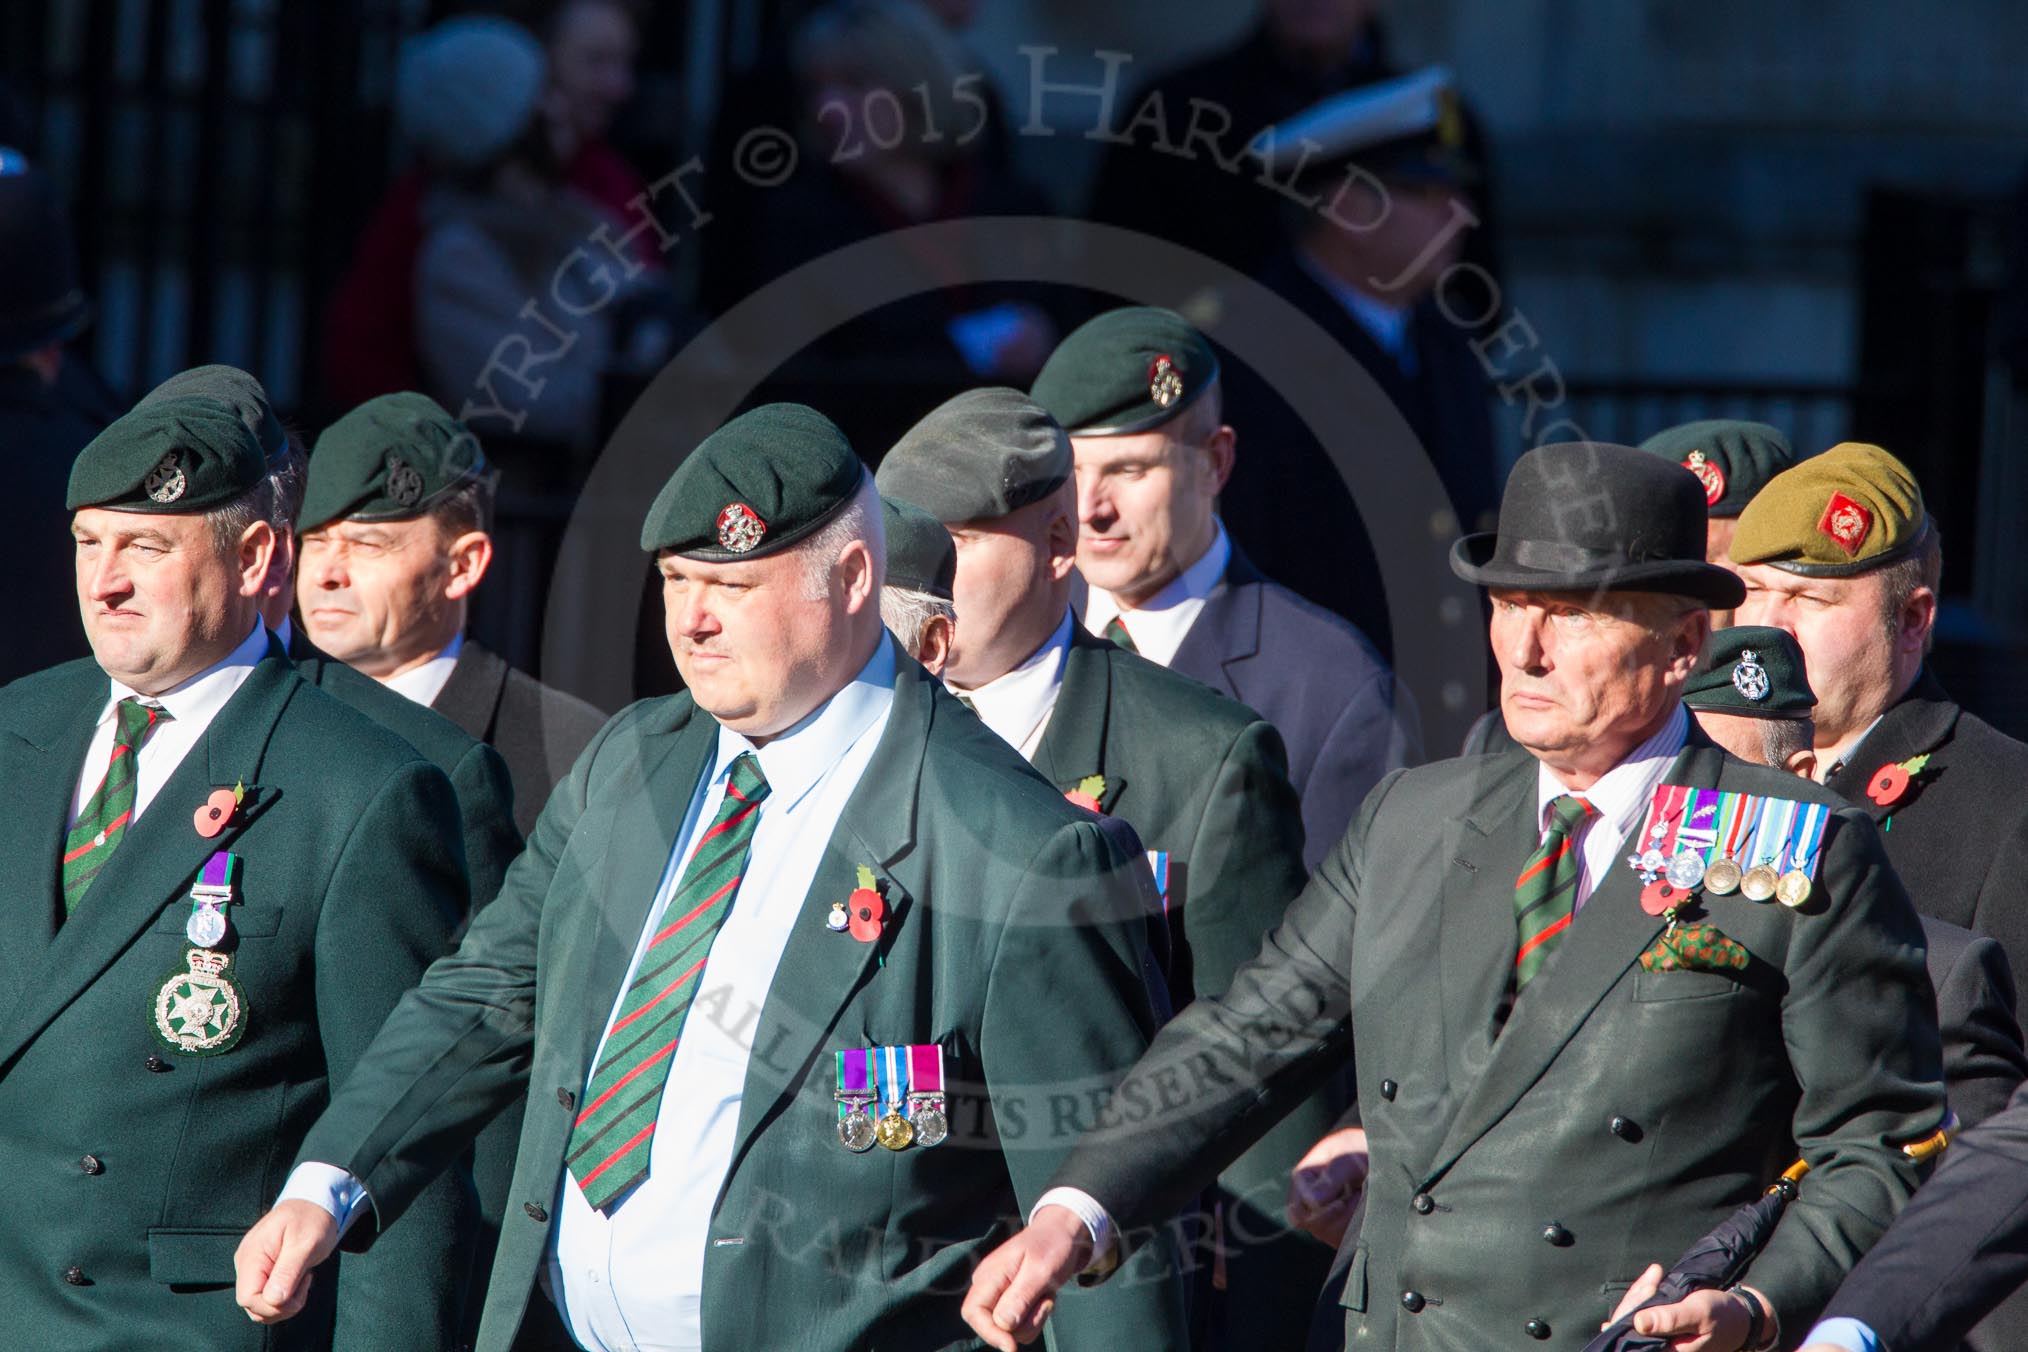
1561	1079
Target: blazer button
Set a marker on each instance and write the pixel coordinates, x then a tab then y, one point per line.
566	1098
92	1165
75	1275
1536	1329
1553	1233
1388	1089
1423	1203
155	1063
535	1213
1625	1128
1412	1301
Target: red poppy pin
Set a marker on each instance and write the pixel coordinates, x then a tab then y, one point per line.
863	913
1088	792
1889	784
216	813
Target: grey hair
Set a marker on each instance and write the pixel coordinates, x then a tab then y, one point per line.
290	476
907	614
1781	738
1899	582
858	520
230	523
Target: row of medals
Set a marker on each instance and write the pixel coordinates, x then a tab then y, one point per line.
925	1124
1723	877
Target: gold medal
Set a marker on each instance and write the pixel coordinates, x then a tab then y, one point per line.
1793	889
894	1132
1722	878
1759	883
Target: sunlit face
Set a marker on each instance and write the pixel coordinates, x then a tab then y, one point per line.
756	650
1841	624
1144	506
374	593
591	63
1004	594
159	599
1581	677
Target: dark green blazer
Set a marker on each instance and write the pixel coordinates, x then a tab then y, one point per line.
133	1170
1621	1114
485	789
1014	939
537	729
1206	778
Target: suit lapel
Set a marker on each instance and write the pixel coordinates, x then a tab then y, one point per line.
1073	746
1920	723
1477	937
820	970
43	775
1227	630
162	851
1610	934
471	697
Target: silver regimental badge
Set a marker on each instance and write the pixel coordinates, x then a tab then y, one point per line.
166	482
740	528
1749	677
1165	382
201	1012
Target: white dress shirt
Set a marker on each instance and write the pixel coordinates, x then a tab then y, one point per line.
633	1281
424	683
1621	796
191	705
1159	624
1017	705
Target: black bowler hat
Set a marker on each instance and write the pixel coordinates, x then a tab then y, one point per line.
1589	516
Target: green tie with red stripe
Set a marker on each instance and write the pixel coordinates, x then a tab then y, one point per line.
103	823
1117	632
609	1142
1545	893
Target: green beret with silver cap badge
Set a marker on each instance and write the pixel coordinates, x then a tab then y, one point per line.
1753	670
770	477
174	456
236	389
978	456
920	555
1127	371
390	459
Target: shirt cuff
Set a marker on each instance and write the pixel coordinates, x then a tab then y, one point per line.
1849	1334
327	1186
1097	1224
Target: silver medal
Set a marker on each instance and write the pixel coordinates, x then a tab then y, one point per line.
1653	861
206	927
1686	870
926	1115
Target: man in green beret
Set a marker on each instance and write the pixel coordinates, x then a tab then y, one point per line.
1840	552
1199	777
226	882
1733	460
915	601
395	541
1139	391
1750	695
804	967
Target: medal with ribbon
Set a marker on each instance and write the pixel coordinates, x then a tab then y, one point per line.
1801	851
1736	817
893	1130
200	1009
855	1093
210	895
926	1094
1770	837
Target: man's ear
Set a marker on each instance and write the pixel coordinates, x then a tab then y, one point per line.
255	555
1060	540
471	555
936	643
1803	762
1917	617
1220	451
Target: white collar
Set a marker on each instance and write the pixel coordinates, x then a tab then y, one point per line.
195	702
1621	793
1386	324
424	683
794	761
1159	624
1017	704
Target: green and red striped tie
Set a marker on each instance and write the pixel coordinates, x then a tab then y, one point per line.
1545	893
103	824
1117	632
609	1142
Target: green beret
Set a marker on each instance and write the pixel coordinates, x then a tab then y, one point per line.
1754	671
390	459
978	457
237	390
1127	371
177	456
920	555
1848	511
758	484
1734	460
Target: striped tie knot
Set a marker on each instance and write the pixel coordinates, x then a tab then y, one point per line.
1117	632
1545	895
1567	812
610	1142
